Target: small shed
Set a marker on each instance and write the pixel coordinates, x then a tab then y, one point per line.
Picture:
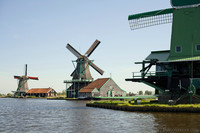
103	87
41	92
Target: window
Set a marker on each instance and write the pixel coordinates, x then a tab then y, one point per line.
198	47
178	49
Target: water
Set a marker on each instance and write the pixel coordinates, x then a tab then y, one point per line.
60	116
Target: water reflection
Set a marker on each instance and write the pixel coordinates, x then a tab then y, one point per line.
40	115
177	122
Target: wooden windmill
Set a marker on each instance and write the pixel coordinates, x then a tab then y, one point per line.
177	75
22	83
82	70
81	76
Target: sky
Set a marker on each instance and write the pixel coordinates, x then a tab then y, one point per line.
36	32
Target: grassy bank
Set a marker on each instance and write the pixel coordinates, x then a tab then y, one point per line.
61	98
144	103
145	106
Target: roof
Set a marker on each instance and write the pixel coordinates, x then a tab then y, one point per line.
39	90
159	55
96	84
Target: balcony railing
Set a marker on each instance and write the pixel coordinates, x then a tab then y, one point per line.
78	80
149	74
164	73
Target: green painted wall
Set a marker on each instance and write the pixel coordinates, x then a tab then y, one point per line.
184	2
185	33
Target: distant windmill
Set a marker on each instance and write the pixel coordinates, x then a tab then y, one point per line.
81	76
22	84
82	69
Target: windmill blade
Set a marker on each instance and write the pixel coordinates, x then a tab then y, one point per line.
94	66
34	78
17	77
92	48
152	18
73	73
73	50
26	70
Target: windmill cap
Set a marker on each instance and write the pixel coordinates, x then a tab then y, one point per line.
185	3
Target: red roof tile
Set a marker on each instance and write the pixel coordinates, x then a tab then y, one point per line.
96	84
39	90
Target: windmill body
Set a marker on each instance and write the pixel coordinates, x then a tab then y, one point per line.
81	76
23	84
177	74
82	70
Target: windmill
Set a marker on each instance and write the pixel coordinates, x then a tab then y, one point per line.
82	69
81	76
22	83
177	75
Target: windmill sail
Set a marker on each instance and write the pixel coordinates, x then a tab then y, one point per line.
152	18
82	68
92	48
34	78
73	50
95	67
26	70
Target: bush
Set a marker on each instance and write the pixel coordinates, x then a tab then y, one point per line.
9	95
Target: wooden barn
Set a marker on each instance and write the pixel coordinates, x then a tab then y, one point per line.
41	92
103	87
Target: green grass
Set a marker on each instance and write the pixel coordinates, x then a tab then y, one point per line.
146	103
61	98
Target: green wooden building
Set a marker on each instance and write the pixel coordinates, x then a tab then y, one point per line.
177	71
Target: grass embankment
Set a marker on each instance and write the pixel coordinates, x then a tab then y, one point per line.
144	103
61	98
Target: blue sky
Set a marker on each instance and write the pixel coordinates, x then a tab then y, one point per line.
36	32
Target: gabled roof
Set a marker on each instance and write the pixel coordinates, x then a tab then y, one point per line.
96	84
39	90
159	55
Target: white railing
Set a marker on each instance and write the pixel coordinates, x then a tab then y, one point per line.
78	80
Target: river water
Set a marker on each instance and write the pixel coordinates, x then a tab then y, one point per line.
61	116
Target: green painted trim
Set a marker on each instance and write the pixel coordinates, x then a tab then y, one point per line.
196	58
94	89
149	14
118	85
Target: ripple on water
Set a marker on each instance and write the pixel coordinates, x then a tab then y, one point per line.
40	115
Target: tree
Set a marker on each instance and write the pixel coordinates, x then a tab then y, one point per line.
9	95
63	93
140	92
148	92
